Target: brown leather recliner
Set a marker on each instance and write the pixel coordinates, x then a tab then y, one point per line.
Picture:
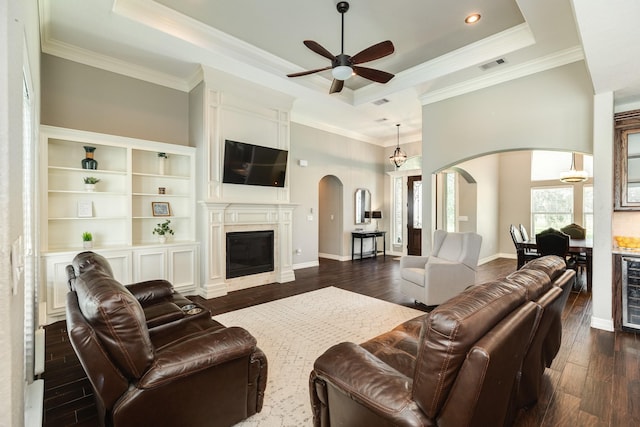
460	365
155	365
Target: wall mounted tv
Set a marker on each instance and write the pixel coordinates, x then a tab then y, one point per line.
253	164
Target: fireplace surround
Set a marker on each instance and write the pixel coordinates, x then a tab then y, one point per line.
219	219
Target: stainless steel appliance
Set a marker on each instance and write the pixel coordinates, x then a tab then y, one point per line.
631	292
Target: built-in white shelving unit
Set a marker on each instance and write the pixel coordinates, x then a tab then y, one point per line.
118	213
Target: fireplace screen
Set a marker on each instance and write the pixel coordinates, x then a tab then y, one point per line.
249	252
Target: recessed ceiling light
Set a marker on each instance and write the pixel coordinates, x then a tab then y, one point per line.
472	19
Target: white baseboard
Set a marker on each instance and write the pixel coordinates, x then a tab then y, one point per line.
306	265
604	324
335	257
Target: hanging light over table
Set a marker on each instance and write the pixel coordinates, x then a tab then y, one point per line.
399	157
572	175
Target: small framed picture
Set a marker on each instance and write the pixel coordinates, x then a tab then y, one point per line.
85	209
160	209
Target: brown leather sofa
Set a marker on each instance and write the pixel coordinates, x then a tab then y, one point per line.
473	361
153	357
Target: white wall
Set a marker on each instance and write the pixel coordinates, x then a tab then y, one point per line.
355	163
18	19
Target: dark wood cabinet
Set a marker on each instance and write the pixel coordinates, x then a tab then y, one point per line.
627	161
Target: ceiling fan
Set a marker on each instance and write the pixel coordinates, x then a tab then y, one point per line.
344	66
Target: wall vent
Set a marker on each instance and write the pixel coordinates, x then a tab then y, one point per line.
380	101
492	64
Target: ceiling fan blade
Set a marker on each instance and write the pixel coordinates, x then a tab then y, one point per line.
305	73
336	86
376	51
371	74
315	46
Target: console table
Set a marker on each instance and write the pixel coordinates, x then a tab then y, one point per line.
368	234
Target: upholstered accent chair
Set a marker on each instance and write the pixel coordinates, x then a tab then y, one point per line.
449	269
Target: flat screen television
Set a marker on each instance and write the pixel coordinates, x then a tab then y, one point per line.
253	164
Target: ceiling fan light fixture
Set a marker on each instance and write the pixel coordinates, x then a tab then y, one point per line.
342	72
573	176
398	157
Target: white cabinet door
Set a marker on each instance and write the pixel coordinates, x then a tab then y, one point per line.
150	264
55	275
182	268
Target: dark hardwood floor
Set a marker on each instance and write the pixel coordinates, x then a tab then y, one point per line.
594	380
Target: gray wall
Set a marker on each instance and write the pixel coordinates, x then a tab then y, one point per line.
330	213
77	96
355	163
548	110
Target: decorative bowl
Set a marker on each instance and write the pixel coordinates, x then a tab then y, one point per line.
627	242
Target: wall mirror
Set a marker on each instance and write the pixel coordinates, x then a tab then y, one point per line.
363	205
627	161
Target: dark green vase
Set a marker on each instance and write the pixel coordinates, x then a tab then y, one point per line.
89	162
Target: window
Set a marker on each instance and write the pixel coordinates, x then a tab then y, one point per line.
450	201
547	165
417	204
397	211
587	209
551	207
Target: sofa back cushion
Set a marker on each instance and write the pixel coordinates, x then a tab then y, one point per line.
552	265
117	319
448	334
534	282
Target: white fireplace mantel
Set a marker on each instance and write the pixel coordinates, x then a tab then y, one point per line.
221	218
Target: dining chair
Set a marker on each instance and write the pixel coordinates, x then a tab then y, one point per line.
576	231
523	232
555	242
524	255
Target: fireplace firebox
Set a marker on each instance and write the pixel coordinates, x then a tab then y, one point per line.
249	252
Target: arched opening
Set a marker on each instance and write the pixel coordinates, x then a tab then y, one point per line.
330	221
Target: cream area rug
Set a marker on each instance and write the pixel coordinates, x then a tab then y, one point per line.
294	331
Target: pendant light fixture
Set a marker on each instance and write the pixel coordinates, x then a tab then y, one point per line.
573	176
399	157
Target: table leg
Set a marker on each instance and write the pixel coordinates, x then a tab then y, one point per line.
361	239
353	246
375	246
384	246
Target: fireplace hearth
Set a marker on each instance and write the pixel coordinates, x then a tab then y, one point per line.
249	252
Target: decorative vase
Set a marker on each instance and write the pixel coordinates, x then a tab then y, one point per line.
162	163
90	187
89	162
162	239
87	244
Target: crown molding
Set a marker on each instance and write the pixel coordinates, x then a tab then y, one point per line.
548	62
54	47
307	120
484	50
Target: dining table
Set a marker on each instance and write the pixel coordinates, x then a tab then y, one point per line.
576	247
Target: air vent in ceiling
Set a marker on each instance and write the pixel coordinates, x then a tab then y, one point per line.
380	101
384	119
492	64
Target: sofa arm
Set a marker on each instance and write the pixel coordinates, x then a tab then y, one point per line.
150	290
196	353
413	261
367	381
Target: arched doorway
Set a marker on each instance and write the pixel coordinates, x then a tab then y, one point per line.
330	221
